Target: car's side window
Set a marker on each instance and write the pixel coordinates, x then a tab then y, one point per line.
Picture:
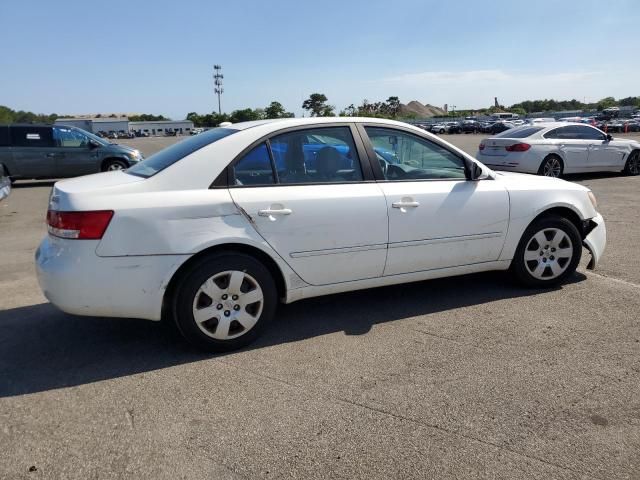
254	168
67	137
316	155
587	133
31	136
552	134
403	156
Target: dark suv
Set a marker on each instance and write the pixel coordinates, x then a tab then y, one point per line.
57	151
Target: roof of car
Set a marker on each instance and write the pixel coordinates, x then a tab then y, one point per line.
280	122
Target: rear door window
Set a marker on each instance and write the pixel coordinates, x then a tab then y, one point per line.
316	155
26	136
254	168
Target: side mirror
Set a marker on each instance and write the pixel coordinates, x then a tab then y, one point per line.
473	171
609	137
93	144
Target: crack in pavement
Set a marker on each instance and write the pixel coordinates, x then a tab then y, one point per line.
307	391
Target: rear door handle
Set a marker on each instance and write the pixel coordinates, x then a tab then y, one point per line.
276	211
405	204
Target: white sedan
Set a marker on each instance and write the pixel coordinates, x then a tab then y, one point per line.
213	231
556	148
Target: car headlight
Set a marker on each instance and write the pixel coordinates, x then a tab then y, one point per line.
592	197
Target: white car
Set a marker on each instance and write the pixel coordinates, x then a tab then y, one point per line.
5	183
556	148
213	231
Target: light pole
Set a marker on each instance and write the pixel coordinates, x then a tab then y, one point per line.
453	110
217	81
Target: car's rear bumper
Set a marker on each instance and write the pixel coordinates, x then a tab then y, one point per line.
77	281
596	241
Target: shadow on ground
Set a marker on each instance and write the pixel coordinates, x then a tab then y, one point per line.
42	348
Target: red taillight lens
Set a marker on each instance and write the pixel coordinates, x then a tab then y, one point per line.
79	225
481	146
518	147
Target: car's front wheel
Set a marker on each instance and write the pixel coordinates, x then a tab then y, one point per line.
113	165
548	252
224	302
632	167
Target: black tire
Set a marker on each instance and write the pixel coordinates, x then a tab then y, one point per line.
632	167
111	165
184	302
521	268
547	164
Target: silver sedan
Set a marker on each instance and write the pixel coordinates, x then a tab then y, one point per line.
556	148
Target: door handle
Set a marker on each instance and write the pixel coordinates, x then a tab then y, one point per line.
276	211
405	204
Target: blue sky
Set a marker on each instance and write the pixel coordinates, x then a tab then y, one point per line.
76	57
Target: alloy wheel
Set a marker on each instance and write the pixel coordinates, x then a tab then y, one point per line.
115	166
552	168
634	164
548	253
228	305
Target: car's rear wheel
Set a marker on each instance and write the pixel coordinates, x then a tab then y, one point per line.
632	167
551	167
224	302
549	252
113	165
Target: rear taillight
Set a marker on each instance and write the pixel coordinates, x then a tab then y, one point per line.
481	146
518	147
79	225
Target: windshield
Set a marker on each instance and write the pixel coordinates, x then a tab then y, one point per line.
521	132
170	155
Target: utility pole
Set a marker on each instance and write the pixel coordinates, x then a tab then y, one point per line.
217	81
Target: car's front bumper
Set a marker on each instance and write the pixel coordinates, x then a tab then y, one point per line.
78	281
596	241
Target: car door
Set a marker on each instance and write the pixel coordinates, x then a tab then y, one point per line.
603	154
74	153
317	207
574	150
437	218
33	151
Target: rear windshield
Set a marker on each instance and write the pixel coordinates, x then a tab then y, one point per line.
520	132
170	155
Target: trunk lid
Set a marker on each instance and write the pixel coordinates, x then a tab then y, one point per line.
76	193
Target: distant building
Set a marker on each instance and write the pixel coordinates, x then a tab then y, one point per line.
95	125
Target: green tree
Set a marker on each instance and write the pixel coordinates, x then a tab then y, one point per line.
316	104
606	103
244	115
274	110
393	106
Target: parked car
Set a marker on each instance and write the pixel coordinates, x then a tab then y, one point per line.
470	126
553	149
196	131
500	126
438	128
46	151
170	133
140	133
5	183
454	127
112	135
631	126
212	232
